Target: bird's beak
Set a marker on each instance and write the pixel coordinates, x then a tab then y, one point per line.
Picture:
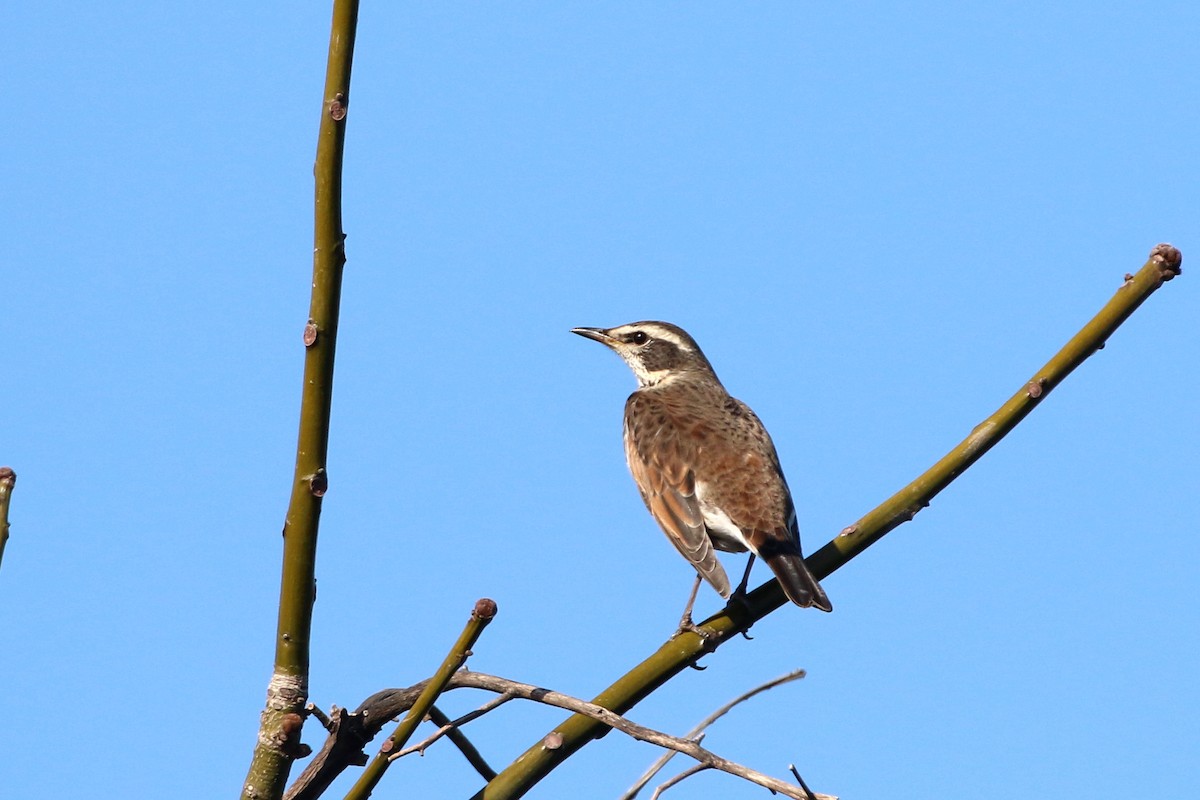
598	334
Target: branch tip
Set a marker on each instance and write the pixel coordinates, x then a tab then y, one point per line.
485	609
1169	258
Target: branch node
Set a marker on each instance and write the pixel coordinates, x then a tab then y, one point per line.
553	741
310	334
337	107
318	483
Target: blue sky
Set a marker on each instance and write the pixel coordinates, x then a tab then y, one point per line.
877	220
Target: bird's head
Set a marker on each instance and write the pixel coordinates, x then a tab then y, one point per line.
655	351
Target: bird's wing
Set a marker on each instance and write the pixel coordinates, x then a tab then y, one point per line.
661	467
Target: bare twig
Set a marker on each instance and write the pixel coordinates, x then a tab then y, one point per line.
796	774
667	784
640	732
338	751
681	651
449	725
321	717
463	744
695	734
481	615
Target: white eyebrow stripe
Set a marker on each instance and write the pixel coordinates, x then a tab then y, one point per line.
659	332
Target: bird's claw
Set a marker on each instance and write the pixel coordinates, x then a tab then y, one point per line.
687	626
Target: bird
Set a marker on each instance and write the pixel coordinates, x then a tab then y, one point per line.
705	465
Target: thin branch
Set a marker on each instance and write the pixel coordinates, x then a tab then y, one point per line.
338	752
8	479
527	691
696	733
287	693
481	615
321	717
667	784
449	727
683	650
796	774
460	740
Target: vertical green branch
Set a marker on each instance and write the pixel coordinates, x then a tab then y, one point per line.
279	732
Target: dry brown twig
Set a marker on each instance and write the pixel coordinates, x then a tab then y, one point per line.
707	758
696	734
390	703
694	769
452	725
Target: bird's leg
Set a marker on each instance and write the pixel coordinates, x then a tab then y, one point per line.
740	592
685	622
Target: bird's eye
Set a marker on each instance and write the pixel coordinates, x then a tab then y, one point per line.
639	337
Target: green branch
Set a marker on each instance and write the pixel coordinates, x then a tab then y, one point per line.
482	614
279	732
8	479
680	651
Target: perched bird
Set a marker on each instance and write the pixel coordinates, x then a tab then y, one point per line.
704	464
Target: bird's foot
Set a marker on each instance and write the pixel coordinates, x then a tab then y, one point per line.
740	600
686	625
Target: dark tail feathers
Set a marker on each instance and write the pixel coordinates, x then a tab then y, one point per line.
798	583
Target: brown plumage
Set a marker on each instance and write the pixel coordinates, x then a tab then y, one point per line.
703	462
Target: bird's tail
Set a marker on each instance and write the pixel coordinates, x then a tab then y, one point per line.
798	583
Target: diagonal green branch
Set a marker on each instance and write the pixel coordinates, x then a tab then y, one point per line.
481	615
279	731
8	479
680	651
